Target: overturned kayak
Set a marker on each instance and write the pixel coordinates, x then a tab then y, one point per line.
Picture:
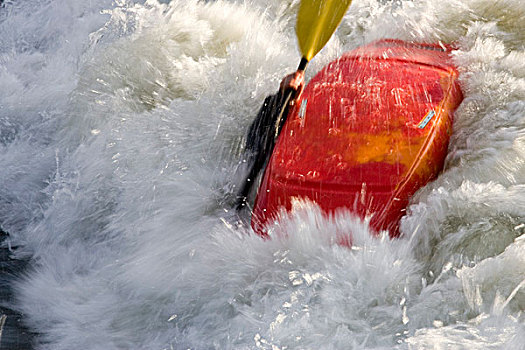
370	129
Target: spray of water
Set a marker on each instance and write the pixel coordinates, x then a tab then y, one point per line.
121	124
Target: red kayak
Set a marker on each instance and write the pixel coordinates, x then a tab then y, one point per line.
371	128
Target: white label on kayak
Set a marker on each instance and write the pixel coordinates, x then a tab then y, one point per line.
302	109
426	119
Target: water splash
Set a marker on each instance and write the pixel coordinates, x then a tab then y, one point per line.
120	127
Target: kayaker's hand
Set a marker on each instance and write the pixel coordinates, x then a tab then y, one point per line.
294	82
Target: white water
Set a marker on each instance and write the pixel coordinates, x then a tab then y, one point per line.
120	128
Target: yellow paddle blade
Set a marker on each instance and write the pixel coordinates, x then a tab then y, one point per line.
316	22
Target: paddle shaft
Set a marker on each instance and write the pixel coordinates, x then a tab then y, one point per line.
287	97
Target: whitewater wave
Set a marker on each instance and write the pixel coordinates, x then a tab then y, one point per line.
121	125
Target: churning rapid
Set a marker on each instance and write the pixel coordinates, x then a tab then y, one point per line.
121	128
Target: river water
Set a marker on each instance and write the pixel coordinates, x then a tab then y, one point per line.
121	126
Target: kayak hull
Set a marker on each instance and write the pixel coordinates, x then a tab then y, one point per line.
371	128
